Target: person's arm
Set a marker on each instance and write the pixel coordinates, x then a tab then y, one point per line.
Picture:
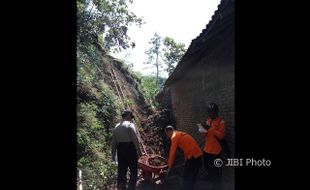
138	135
219	133
172	151
207	124
113	146
202	130
134	138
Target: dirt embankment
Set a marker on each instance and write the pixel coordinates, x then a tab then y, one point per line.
152	132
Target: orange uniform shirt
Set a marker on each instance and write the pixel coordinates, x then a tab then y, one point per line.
217	129
187	143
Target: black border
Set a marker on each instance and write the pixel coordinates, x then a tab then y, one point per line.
266	103
41	95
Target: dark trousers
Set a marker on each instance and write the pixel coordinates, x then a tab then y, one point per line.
214	173
191	170
127	157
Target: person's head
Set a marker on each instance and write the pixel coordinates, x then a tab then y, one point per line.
127	115
169	131
213	110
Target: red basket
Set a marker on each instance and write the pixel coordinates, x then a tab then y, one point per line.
145	165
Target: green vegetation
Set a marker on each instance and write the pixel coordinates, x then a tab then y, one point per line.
102	27
173	52
106	22
97	113
166	51
150	89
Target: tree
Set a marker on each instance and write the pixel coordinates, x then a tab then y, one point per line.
154	52
106	21
150	89
173	52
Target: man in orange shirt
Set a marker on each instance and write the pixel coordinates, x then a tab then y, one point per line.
192	154
215	131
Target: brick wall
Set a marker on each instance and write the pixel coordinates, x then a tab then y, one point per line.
209	79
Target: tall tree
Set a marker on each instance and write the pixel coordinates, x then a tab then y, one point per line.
106	21
154	53
173	52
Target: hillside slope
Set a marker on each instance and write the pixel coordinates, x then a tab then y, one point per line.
105	87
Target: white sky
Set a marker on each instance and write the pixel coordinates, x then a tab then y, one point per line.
183	20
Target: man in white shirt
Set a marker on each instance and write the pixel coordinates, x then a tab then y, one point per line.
125	141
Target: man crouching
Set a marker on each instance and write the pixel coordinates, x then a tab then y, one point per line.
192	154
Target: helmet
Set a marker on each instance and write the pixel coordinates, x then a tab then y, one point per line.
169	127
213	108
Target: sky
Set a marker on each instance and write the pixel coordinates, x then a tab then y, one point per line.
183	20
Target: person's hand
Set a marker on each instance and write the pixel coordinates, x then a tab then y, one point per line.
201	129
168	171
206	125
